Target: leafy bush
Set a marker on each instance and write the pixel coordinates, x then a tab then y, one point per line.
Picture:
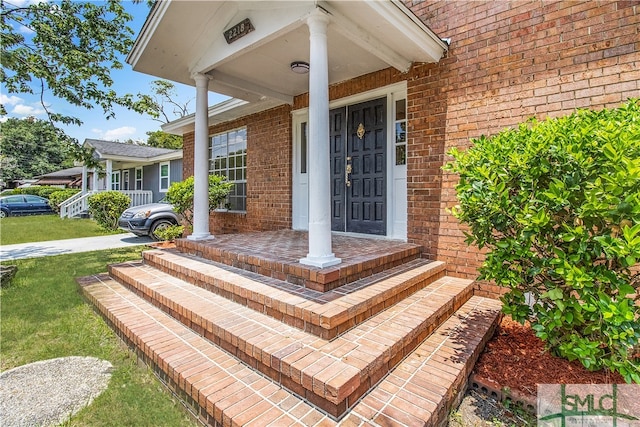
180	195
170	232
38	190
60	196
557	206
107	206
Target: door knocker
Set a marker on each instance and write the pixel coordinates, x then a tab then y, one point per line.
360	132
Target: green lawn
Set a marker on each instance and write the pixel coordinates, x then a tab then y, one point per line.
39	228
44	316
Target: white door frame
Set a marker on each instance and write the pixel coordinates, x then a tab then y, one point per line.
396	175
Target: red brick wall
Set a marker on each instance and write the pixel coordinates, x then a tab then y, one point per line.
507	61
269	179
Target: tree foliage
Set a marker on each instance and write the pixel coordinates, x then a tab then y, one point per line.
31	147
180	195
162	139
557	206
67	48
162	104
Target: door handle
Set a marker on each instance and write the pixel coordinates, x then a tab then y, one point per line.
347	172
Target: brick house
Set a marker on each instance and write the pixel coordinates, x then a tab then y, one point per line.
338	123
406	80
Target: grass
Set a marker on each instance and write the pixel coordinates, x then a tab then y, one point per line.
44	317
40	228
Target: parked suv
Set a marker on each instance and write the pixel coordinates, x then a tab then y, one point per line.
146	220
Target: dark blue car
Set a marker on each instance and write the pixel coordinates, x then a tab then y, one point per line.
23	204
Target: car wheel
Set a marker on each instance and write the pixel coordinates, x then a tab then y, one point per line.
160	224
3	213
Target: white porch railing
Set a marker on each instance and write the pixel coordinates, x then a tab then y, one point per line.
79	204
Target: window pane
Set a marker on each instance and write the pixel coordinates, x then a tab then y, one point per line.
401	109
401	154
401	132
228	158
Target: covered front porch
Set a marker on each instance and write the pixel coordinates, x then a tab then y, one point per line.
274	54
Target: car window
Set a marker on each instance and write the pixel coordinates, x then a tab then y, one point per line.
13	200
33	199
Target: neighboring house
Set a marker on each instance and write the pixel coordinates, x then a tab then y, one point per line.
358	143
143	173
129	167
65	178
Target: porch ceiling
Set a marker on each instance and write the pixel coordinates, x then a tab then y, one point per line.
185	37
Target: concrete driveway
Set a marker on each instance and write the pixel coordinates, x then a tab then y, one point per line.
58	247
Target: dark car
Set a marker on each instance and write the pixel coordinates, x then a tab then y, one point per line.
145	220
23	204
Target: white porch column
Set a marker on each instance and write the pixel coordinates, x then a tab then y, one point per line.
84	179
201	161
320	254
109	177
95	177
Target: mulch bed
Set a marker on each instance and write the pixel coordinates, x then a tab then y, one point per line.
516	358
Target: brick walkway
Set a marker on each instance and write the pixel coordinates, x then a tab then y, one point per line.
393	348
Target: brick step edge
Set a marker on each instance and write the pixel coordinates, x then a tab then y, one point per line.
503	394
260	296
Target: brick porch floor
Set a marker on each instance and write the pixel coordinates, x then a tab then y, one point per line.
277	253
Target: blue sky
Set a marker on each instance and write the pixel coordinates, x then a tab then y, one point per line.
127	124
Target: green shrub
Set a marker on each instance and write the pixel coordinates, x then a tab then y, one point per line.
38	190
180	195
60	196
556	204
170	232
107	206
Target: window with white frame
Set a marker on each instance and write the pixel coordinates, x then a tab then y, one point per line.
115	180
228	157
138	179
125	180
401	132
164	177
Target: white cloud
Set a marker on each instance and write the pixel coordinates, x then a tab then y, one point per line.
23	3
27	110
25	30
120	133
9	100
3	119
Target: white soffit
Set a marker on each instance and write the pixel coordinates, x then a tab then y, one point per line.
184	37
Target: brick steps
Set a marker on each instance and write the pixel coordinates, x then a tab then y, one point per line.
225	391
331	374
276	254
325	314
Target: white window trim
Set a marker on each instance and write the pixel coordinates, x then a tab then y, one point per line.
246	168
135	184
114	182
125	180
164	190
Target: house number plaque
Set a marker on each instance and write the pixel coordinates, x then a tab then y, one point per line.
238	31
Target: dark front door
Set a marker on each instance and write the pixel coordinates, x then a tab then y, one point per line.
358	167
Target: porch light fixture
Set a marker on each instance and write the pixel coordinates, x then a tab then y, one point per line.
300	67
